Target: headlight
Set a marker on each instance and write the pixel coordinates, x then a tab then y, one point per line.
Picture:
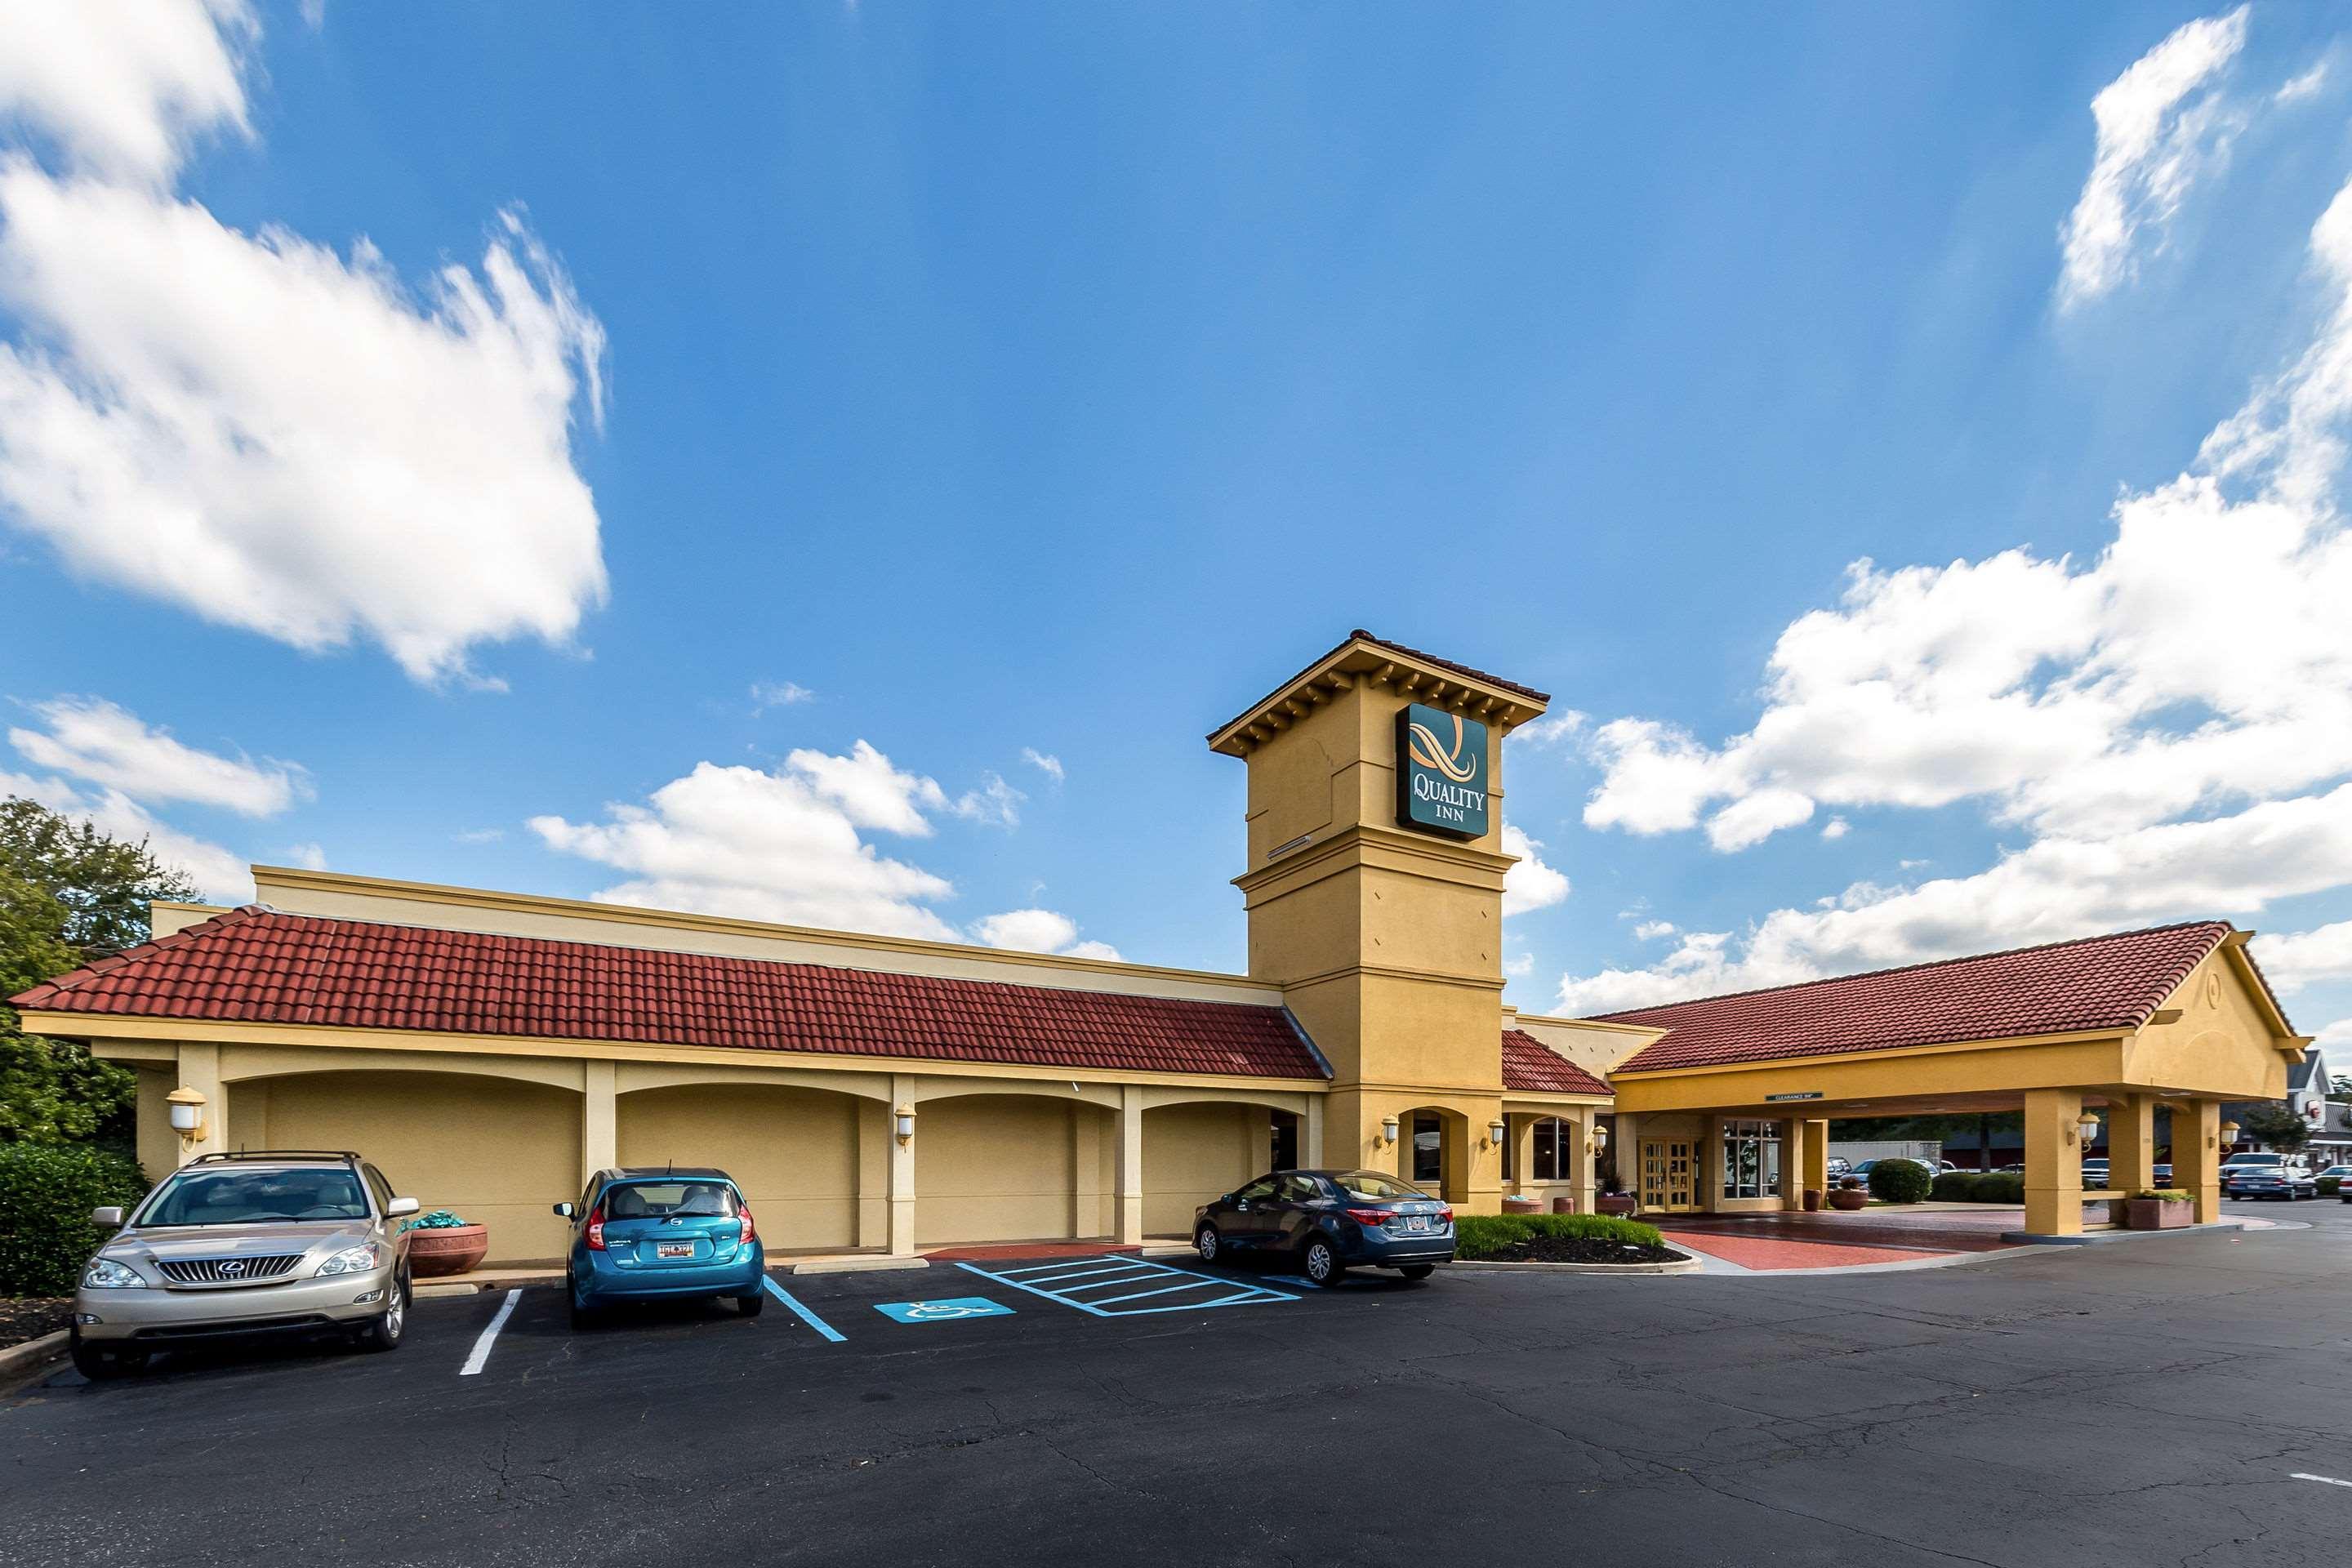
105	1274
350	1260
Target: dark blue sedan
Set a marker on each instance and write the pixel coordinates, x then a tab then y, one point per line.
647	1235
1327	1222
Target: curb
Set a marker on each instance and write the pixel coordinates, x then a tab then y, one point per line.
1686	1265
851	1264
33	1353
2110	1237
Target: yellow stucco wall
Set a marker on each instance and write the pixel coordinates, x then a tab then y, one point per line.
997	1168
793	1152
1195	1152
2222	1043
497	1150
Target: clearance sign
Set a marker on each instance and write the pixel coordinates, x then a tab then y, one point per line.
1441	771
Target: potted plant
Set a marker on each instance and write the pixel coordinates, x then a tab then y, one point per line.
1615	1199
441	1243
1813	1200
1848	1195
1520	1203
2158	1208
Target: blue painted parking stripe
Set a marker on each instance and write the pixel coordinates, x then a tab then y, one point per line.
802	1313
1060	1286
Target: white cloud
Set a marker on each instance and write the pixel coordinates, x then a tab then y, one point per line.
767	694
1520	966
870	791
479	835
1835	827
2299	87
2338	1032
2159	124
93	740
994	804
1554	727
220	877
1752	818
310	856
2294	960
250	426
121	91
1649	931
1051	767
1530	884
1039	930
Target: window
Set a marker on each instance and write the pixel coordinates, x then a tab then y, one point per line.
1256	1191
382	1188
1373	1187
1286	1141
662	1200
1751	1159
1293	1188
212	1194
1551	1153
1428	1150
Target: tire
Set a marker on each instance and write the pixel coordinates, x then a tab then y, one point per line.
98	1365
1418	1271
750	1306
383	1331
1208	1243
1320	1261
584	1315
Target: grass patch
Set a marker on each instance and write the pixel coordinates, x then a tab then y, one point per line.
1477	1235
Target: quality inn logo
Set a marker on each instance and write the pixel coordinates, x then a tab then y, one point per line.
1441	771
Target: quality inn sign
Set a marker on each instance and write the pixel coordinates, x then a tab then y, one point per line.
1441	771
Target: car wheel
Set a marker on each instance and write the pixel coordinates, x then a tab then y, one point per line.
96	1364
584	1315
1321	1261
1208	1243
1418	1271
383	1334
748	1306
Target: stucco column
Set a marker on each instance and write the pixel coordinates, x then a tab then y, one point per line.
1129	1158
600	1120
200	1070
1816	1165
1522	1134
1795	1160
2131	1144
1310	1131
1625	1150
902	1170
1580	1163
2053	1162
2197	1154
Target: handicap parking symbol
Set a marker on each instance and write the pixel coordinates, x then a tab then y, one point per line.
954	1309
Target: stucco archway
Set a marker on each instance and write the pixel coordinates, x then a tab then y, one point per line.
796	1152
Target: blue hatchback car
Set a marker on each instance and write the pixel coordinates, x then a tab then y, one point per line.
647	1235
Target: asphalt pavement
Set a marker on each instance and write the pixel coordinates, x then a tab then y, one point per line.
2181	1401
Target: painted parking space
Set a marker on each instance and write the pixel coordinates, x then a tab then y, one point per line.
1123	1285
793	1305
955	1309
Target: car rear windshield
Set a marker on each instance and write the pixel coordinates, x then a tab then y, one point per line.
660	1200
256	1197
1373	1186
2255	1160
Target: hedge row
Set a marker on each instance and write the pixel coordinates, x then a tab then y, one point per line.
46	1192
1979	1187
1900	1181
1477	1235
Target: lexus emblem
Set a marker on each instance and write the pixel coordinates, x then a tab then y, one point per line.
232	1267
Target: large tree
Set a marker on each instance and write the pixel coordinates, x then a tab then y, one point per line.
2274	1127
68	893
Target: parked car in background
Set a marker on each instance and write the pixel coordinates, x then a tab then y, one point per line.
237	1245
645	1235
1862	1171
2267	1176
1839	1166
1327	1222
2094	1173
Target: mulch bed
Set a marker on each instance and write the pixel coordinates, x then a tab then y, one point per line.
26	1317
1577	1249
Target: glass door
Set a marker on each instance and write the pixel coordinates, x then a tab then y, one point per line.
1668	1174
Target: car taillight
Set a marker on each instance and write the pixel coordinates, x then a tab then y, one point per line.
596	1230
1370	1216
745	1213
1445	1217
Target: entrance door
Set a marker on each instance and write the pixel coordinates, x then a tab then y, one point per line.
1667	1169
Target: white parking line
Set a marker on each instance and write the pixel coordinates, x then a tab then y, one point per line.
475	1362
2331	1480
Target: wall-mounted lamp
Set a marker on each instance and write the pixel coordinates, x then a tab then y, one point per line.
905	1120
187	1114
1388	1130
1496	1131
2228	1134
2089	1129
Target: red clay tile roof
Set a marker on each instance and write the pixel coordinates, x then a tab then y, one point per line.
256	965
2096	982
1530	1065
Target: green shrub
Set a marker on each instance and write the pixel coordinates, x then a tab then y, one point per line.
2165	1195
1477	1235
2329	1186
1900	1181
47	1191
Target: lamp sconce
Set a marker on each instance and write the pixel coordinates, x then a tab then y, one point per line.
2229	1131
1496	1131
2087	1129
187	1114
1388	1131
1599	1139
905	1118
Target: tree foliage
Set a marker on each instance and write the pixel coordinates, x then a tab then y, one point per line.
2274	1127
68	893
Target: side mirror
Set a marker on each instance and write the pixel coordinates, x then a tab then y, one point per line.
399	1207
107	1218
564	1211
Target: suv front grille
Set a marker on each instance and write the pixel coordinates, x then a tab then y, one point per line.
229	1270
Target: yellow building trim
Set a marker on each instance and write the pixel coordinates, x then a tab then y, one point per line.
1884	1053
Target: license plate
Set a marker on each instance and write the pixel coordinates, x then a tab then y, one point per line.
1416	1221
675	1249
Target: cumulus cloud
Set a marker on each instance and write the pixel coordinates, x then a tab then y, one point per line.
2160	125
2338	1032
1651	930
1039	930
1530	884
2293	960
255	428
93	740
1835	827
1051	767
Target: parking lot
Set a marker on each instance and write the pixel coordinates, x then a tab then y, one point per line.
2131	1404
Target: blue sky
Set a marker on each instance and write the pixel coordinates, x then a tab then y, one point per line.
722	463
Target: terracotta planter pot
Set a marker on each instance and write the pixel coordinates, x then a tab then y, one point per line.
1619	1204
1563	1205
1813	1200
2157	1214
1849	1201
452	1249
1523	1205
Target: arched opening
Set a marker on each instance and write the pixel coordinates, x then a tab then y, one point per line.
498	1152
1433	1150
1012	1167
794	1151
1200	1150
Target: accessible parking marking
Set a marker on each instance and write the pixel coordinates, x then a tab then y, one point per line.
797	1310
1126	1287
953	1309
480	1358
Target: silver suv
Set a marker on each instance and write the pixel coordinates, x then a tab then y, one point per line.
290	1242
